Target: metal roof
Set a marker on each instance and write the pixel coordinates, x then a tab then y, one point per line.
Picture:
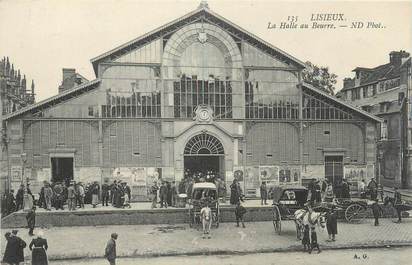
348	105
195	12
66	93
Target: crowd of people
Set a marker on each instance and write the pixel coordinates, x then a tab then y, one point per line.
73	194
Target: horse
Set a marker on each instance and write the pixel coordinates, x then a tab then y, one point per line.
303	217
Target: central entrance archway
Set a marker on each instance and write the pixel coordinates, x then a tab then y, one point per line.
204	153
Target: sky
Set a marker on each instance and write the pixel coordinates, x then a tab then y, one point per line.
43	36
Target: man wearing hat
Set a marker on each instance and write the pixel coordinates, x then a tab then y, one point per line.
105	193
110	251
373	189
14	251
31	220
71	196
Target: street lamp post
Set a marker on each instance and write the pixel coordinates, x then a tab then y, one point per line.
27	199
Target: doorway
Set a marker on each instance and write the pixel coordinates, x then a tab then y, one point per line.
203	153
334	171
62	169
203	164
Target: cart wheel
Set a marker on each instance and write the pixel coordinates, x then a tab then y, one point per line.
277	219
355	213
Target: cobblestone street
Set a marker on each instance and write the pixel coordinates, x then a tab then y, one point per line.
164	240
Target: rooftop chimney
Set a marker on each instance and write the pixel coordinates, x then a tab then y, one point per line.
69	78
395	57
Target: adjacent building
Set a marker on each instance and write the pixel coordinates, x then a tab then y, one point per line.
199	93
385	91
14	95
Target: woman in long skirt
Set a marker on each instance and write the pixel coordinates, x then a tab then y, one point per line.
38	246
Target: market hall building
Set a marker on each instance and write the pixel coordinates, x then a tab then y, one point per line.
199	93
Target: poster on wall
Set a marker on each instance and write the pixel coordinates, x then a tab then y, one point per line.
16	173
153	174
269	174
355	173
138	177
289	175
252	178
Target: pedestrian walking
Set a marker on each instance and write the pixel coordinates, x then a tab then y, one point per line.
110	250
38	247
105	193
31	220
206	215
14	251
377	211
263	193
71	197
163	195
397	204
306	238
153	192
239	213
314	240
332	223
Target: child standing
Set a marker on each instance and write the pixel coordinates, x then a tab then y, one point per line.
239	212
313	240
377	210
306	238
332	223
206	215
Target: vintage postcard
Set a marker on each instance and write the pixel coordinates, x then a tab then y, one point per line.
205	132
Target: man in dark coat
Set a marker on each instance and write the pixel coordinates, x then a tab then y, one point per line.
14	252
263	193
110	251
31	220
19	198
234	193
373	189
332	223
163	195
345	189
113	188
105	193
397	202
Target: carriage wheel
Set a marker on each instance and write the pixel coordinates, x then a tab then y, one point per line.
277	219
355	213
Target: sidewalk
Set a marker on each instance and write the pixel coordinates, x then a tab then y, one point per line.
169	240
147	206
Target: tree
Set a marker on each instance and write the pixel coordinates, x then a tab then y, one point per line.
319	77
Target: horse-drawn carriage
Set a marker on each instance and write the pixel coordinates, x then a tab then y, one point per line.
204	193
288	204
